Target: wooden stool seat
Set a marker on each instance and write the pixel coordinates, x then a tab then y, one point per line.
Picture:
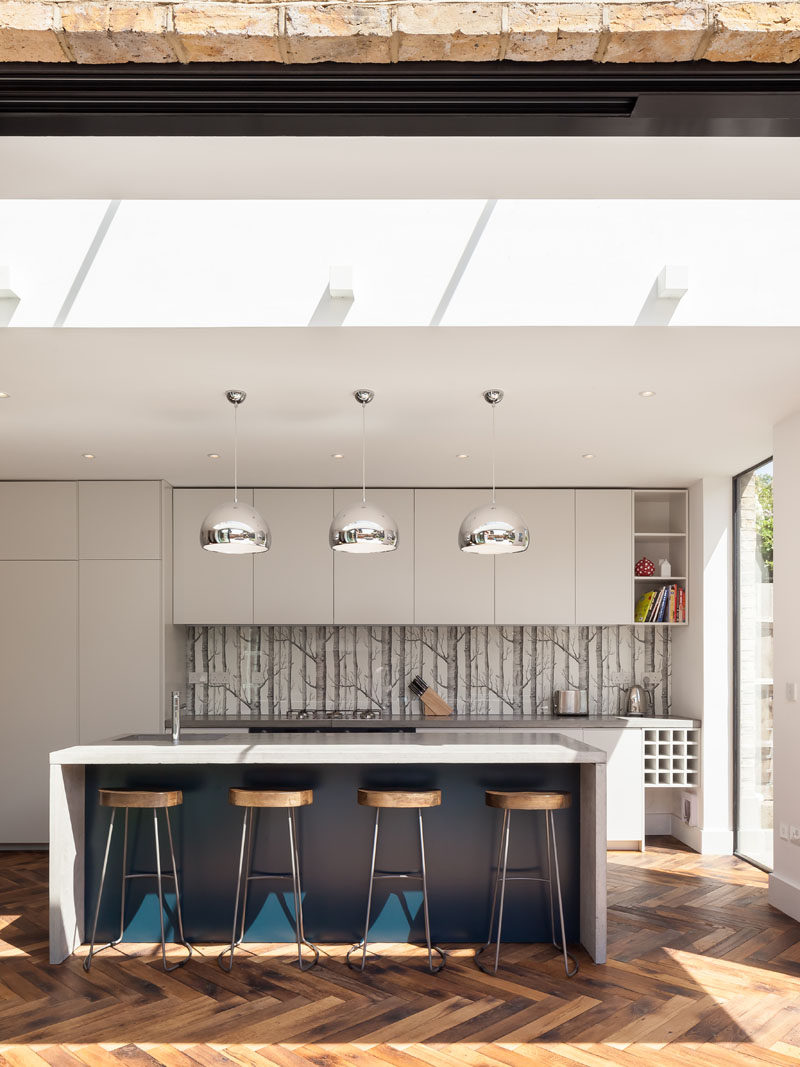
140	798
270	798
399	798
527	801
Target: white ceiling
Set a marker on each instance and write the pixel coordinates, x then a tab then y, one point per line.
399	167
149	403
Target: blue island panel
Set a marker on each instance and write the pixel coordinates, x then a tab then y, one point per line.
335	834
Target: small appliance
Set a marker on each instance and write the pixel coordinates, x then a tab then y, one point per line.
569	702
639	700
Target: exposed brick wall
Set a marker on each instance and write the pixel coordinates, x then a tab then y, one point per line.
186	31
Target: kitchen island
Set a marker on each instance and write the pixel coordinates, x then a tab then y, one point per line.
335	834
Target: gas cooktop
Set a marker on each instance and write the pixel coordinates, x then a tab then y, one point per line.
312	713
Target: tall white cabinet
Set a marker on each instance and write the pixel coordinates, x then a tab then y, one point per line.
83	625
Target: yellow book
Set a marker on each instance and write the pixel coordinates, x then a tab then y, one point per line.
643	606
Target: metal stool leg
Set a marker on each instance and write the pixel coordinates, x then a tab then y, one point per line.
482	966
242	850
570	973
363	943
502	893
87	963
298	898
431	949
178	910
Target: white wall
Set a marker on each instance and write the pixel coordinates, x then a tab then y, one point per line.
701	662
784	883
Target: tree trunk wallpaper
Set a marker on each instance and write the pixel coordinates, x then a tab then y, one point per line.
255	672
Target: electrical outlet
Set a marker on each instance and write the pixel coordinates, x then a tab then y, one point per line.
794	835
783	830
791	692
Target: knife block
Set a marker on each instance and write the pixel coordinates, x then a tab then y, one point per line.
434	706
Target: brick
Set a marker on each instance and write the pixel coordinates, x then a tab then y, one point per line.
756	33
339	33
227	32
543	32
117	32
453	31
653	32
28	33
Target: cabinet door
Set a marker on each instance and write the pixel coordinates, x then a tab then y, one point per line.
603	557
625	798
450	586
537	587
294	580
209	587
119	520
38	520
38	696
377	589
120	643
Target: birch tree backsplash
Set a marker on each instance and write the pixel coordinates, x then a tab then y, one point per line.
271	671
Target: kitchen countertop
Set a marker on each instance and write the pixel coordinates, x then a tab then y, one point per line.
327	748
472	722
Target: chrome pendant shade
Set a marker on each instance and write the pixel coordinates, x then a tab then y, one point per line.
363	528
492	529
235	529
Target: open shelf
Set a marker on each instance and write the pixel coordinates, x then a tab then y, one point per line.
661	531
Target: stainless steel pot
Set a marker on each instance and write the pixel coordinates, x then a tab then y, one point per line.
569	702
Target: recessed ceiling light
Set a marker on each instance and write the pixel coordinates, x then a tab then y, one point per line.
88	455
647	393
213	455
588	455
463	455
4	396
337	455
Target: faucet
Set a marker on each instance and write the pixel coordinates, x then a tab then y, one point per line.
176	716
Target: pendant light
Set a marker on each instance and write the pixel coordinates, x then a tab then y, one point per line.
492	530
235	529
363	528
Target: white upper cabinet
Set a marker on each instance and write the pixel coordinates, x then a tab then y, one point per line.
450	586
38	520
603	557
294	580
537	587
119	520
376	589
209	587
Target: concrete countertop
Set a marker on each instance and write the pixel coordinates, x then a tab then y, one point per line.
555	723
399	748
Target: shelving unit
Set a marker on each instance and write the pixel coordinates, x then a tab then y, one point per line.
671	757
661	531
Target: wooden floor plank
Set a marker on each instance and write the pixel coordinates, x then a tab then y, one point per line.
700	970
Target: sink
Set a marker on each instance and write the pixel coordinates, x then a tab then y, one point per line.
166	739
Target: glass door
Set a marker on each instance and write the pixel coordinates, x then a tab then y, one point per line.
753	578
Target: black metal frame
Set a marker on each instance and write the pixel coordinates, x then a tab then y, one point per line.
409	99
735	584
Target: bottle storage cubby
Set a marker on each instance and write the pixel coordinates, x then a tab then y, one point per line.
671	757
661	531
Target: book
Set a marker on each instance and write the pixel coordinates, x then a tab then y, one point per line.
643	606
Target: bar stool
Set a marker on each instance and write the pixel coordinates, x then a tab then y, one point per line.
128	799
527	801
394	798
251	801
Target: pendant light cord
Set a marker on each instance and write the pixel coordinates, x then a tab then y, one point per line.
235	454
363	453
494	488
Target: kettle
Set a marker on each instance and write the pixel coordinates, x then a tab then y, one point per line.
638	699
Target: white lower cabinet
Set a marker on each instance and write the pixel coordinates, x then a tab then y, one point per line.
625	797
38	701
120	632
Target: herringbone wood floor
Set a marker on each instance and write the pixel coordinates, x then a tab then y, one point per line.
701	971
